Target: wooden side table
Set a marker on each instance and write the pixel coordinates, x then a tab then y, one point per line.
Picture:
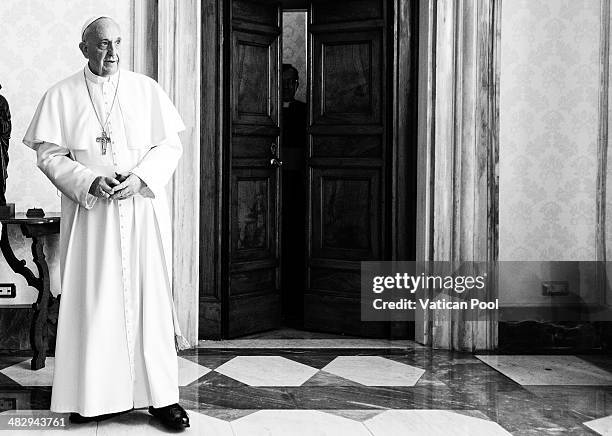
35	229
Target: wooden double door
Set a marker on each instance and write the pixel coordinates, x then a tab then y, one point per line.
349	158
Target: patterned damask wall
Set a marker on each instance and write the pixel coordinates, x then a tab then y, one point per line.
39	47
549	109
294	47
548	129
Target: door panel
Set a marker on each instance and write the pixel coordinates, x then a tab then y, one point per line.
347	11
347	78
347	146
347	160
252	286
255	85
345	214
254	220
256	13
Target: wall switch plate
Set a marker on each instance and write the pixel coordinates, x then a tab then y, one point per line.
555	288
7	290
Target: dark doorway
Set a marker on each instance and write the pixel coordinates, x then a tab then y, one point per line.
294	123
310	183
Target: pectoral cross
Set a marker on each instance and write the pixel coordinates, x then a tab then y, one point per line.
103	140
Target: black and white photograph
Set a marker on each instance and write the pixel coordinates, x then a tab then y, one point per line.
305	217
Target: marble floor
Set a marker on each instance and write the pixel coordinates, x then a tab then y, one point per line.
407	390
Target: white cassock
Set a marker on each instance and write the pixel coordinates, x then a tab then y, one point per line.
116	329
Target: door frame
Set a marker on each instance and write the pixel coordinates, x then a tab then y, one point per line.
214	186
213	182
166	35
405	188
199	306
174	42
458	195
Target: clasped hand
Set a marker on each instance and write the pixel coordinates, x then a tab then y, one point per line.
116	188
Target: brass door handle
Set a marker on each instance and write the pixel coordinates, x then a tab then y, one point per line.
274	162
274	149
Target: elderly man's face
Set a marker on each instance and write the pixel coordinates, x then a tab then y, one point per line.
102	41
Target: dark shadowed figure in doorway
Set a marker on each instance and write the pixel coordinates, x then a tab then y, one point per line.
294	197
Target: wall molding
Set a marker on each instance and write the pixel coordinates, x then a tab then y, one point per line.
425	132
602	134
144	37
178	59
602	153
458	154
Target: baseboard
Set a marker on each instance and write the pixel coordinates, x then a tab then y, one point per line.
531	337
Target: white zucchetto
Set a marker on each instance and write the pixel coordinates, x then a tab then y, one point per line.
90	21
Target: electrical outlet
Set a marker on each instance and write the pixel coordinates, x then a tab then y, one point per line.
555	288
7	290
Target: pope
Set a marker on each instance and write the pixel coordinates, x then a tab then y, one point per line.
107	138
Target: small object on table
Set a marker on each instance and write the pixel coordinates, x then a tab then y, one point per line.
35	213
7	210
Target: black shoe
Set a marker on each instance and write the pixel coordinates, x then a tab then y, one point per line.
77	418
172	416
